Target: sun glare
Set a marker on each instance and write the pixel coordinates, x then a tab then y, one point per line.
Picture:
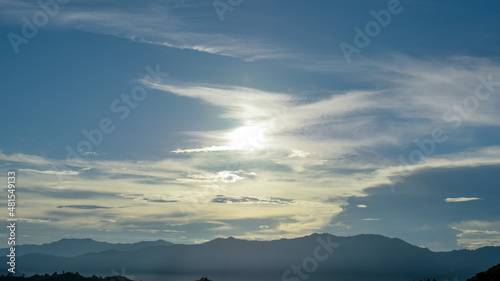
247	138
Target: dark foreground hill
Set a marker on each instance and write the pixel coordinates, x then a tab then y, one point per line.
492	274
315	257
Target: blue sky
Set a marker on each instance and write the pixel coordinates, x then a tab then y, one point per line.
140	120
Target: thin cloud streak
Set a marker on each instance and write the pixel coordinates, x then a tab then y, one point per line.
461	199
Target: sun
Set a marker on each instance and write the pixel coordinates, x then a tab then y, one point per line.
247	138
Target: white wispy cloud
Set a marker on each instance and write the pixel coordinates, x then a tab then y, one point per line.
475	234
50	172
299	153
417	98
205	149
461	199
24	158
221	176
333	131
160	24
243	103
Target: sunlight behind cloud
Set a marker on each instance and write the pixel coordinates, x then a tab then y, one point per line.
247	138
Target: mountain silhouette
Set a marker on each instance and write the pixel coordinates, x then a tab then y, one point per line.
76	247
68	276
314	257
492	274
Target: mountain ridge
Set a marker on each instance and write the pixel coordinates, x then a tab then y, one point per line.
361	257
71	247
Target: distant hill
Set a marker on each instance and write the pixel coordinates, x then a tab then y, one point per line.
492	274
62	277
319	256
76	247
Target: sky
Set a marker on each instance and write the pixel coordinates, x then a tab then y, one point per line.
258	119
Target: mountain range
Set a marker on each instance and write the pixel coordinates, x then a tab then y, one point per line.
314	257
76	247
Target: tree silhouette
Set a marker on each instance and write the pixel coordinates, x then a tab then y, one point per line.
204	279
